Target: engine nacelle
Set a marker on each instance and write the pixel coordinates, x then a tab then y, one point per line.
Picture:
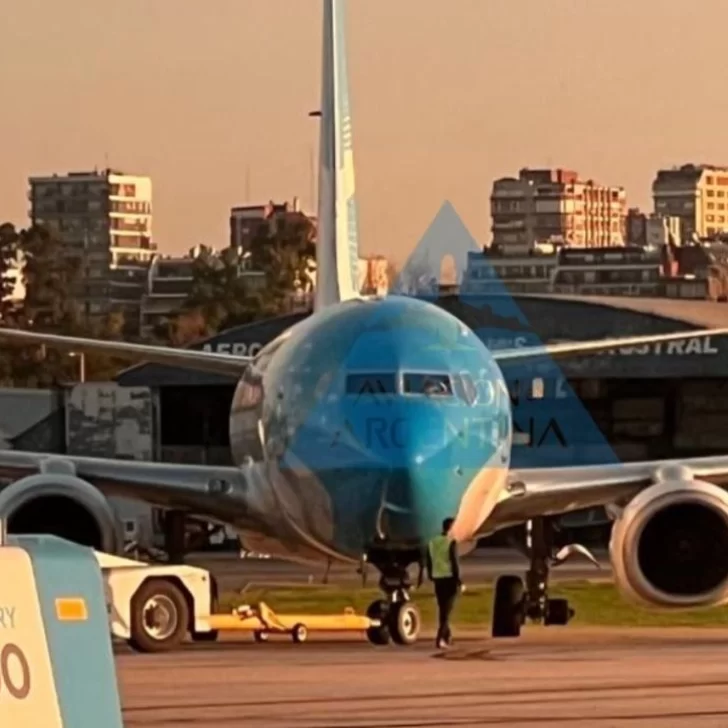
669	546
64	505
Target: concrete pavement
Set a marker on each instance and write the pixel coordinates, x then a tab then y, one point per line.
570	677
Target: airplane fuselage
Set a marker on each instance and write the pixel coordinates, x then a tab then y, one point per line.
373	421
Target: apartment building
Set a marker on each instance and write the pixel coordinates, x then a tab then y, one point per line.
625	271
105	218
652	230
609	271
697	194
169	283
555	206
488	272
246	220
687	271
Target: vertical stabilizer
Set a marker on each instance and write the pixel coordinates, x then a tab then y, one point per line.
337	255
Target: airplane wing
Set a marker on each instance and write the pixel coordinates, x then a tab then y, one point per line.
187	358
207	491
559	490
235	365
589	347
242	497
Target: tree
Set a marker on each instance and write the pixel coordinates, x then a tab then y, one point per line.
220	296
51	279
286	255
8	256
9	239
184	329
240	286
101	367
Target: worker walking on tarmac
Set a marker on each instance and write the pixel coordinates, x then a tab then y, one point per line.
443	571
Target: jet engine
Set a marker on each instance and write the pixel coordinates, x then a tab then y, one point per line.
669	546
63	505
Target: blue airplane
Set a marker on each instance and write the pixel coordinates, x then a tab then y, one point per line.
359	429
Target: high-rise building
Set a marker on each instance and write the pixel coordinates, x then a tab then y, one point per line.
555	206
105	218
695	193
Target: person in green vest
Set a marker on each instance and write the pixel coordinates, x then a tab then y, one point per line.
443	570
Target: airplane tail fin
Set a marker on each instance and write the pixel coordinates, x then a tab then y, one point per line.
337	255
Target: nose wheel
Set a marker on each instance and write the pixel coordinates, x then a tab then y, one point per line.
398	618
399	622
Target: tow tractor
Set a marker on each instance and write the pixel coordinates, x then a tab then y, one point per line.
154	607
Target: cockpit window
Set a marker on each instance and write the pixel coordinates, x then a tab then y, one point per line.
466	389
375	383
432	385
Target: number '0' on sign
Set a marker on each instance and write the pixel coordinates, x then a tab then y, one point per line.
14	673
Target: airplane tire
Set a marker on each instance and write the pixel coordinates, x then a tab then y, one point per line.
404	623
159	617
379	635
508	607
260	636
558	612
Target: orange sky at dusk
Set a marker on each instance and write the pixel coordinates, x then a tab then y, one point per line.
447	95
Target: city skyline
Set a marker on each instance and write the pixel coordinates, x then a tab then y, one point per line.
455	96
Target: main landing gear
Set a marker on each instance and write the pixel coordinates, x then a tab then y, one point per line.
515	601
399	618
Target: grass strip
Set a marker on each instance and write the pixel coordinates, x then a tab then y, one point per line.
596	604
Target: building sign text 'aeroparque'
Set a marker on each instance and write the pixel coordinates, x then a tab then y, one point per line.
236	349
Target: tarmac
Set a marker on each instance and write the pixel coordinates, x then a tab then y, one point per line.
566	676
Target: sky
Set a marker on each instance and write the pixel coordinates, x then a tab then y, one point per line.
211	99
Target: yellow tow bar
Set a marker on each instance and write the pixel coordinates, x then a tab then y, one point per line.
262	621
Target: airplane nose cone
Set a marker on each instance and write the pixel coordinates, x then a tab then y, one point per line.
409	464
425	482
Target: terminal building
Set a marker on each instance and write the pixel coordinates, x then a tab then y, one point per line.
661	401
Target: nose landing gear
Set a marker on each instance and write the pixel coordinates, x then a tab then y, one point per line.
514	601
399	618
400	622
